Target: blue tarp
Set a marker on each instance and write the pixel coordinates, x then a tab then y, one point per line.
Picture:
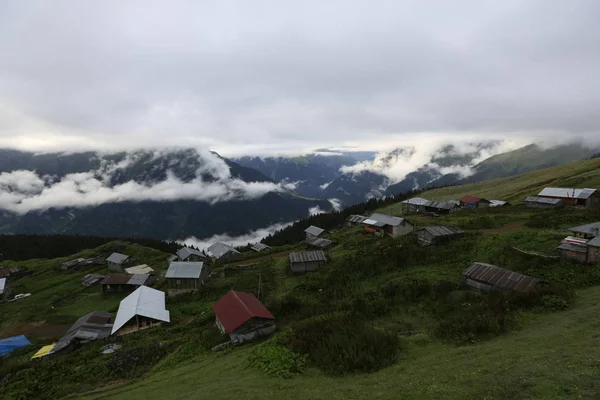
12	343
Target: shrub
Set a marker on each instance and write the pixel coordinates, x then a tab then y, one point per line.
342	344
554	303
132	363
276	360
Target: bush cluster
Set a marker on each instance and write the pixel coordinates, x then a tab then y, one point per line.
276	360
342	345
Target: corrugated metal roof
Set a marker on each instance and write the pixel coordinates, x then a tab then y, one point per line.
588	229
373	222
92	326
235	308
91	279
595	242
117	258
185	270
314	230
138	279
385	219
567	192
500	277
139	269
308	256
356	219
219	249
185	252
116	279
574	240
573	247
417	201
543	200
441	205
145	302
320	242
440	231
2	285
258	247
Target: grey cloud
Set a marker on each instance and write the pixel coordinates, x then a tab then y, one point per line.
265	75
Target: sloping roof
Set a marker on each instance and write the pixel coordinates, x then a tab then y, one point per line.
417	201
498	203
91	279
442	205
356	219
235	308
589	229
12	343
441	231
145	302
44	351
258	247
116	279
138	279
92	326
117	258
314	230
219	249
543	200
320	242
500	277
384	219
185	252
308	256
472	199
2	285
573	247
185	270
567	192
595	242
139	269
574	240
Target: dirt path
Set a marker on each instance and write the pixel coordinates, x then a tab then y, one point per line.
38	330
512	227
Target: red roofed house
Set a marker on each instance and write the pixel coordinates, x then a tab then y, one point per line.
469	201
243	317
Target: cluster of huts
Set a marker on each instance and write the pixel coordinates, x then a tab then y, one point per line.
418	205
583	245
552	197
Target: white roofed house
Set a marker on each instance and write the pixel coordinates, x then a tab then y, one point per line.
381	224
313	232
142	309
222	251
185	277
118	262
4	288
586	197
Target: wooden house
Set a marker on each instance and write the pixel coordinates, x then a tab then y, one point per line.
587	231
593	255
381	224
187	254
442	207
258	247
96	325
142	309
185	277
585	197
573	248
125	282
222	251
433	235
415	205
243	317
307	261
354	220
118	262
313	232
542	202
469	201
487	277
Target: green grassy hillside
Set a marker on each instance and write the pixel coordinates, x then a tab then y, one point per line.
396	307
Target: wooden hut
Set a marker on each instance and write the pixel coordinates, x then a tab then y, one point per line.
487	277
307	261
432	235
185	277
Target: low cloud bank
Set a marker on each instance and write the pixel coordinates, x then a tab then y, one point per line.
250	237
397	164
23	191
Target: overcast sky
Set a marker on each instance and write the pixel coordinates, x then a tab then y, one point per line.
267	76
